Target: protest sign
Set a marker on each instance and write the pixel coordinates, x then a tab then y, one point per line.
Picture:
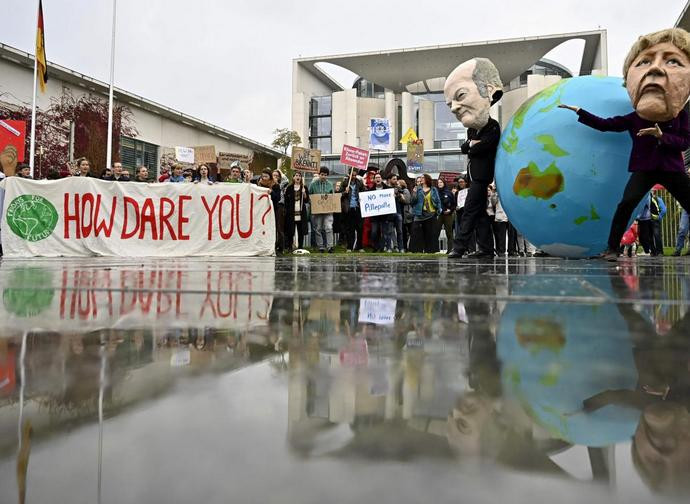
205	154
354	157
306	160
184	154
377	311
379	134
408	136
325	203
225	159
449	177
82	216
415	156
380	202
13	133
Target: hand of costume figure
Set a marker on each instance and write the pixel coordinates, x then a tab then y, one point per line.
569	107
655	131
474	142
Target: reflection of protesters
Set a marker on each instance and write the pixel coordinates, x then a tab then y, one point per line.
657	75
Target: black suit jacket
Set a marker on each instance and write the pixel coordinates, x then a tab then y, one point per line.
482	156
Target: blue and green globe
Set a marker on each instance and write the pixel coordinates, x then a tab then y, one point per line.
560	181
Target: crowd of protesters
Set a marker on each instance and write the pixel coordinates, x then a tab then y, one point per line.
427	218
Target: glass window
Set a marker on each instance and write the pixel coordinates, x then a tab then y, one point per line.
134	153
320	106
323	144
320	126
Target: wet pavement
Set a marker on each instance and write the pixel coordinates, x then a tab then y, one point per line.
344	379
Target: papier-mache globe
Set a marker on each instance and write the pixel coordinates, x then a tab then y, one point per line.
560	181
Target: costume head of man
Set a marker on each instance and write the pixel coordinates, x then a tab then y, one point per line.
657	74
471	89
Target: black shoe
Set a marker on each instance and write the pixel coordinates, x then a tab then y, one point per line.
676	253
456	254
480	254
330	250
540	253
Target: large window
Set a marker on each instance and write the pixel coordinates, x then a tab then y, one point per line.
366	89
449	133
134	153
320	124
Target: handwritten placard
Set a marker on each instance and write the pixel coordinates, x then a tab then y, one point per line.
381	202
354	157
306	160
184	154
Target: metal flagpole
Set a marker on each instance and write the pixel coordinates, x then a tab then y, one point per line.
109	152
32	148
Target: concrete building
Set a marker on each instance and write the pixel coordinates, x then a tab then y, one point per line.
160	128
406	87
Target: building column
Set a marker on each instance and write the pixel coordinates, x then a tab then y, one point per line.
407	118
391	113
426	123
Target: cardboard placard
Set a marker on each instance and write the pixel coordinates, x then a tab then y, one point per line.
205	154
306	160
225	159
325	203
328	309
12	140
415	156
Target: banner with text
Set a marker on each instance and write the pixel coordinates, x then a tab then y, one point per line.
354	157
85	216
375	203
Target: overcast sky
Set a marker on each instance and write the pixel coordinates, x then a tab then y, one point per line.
229	62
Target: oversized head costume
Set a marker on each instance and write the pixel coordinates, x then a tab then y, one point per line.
470	91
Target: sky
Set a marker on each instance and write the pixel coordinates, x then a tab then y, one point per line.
229	62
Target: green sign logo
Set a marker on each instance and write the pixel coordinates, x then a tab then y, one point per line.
31	217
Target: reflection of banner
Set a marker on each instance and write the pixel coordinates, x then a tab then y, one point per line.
307	160
379	134
325	203
184	154
205	154
415	156
164	295
377	311
377	202
85	216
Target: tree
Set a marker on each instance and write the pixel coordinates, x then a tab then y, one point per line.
284	139
88	113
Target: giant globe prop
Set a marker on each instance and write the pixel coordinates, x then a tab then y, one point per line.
560	181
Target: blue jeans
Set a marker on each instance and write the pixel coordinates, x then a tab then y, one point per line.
399	231
682	230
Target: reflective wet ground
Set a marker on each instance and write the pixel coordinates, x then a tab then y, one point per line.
344	379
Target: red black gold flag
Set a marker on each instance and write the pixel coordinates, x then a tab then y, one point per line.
41	61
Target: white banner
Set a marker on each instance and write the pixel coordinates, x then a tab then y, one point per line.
170	293
81	216
377	311
380	202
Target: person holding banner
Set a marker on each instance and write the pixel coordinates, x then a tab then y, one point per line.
381	225
235	173
296	217
426	207
323	223
350	189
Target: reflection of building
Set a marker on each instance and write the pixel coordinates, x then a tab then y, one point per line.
160	128
406	87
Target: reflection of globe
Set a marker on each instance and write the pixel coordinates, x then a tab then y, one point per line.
28	291
551	362
560	181
31	217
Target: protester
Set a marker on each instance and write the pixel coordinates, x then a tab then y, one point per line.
247	176
658	211
368	181
296	214
427	207
107	174
645	226
447	212
23	171
683	226
629	240
188	176
278	190
380	224
351	188
119	173
176	176
500	223
402	200
165	174
235	173
203	176
323	223
142	175
83	167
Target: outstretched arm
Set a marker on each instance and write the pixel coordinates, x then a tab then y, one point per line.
617	123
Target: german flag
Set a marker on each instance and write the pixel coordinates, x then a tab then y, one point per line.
41	62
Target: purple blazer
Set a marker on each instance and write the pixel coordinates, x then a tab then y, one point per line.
648	153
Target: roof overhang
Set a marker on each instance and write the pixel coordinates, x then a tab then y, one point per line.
92	85
395	69
684	18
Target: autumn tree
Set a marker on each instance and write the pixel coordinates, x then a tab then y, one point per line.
284	139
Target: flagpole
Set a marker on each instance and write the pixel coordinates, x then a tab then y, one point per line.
109	152
32	148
